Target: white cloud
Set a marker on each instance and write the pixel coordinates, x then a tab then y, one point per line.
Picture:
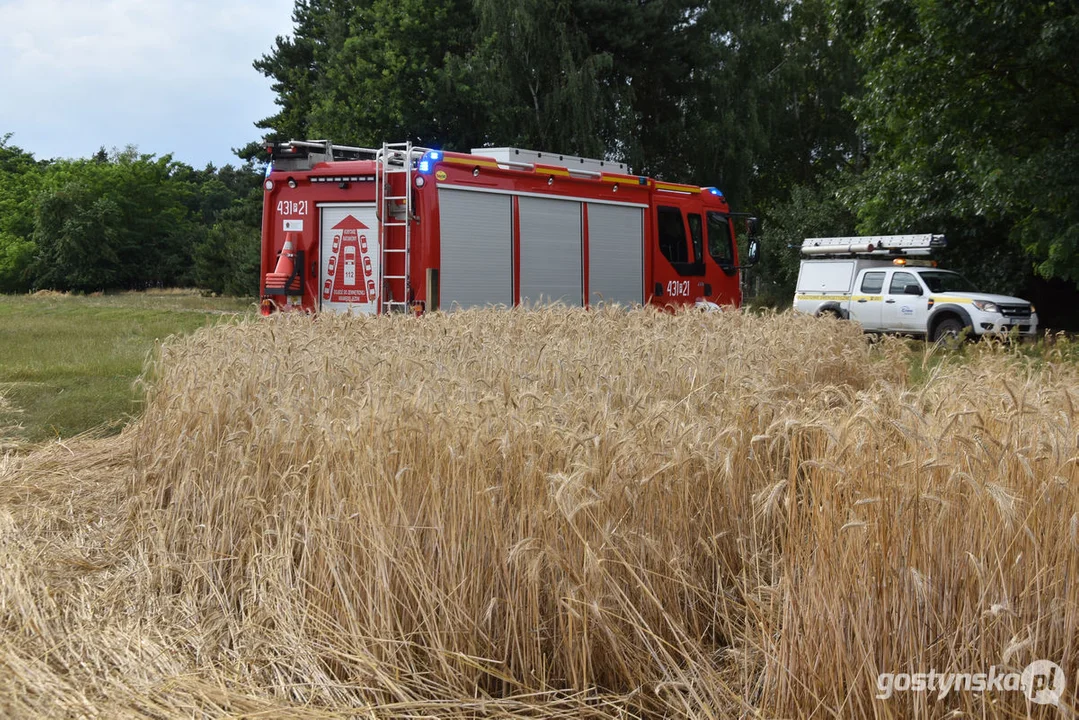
169	76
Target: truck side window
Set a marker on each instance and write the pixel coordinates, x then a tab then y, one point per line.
696	233
720	240
672	241
872	283
900	280
672	235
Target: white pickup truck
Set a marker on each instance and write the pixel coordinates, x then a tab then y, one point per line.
873	281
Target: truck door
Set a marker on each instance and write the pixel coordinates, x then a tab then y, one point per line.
349	258
551	268
865	304
616	254
900	311
678	266
476	248
723	278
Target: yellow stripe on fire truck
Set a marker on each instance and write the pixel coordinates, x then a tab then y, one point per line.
677	187
470	161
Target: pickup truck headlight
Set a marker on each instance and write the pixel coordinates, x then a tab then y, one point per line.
986	306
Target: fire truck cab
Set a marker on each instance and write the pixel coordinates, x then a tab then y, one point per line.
401	228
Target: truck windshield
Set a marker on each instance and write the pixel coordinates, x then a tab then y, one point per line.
941	281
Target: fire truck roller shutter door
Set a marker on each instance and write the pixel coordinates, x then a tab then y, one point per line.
551	263
616	254
476	266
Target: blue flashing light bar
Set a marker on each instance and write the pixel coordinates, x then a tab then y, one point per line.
428	160
715	191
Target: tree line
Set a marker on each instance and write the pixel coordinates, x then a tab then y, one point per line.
824	117
125	220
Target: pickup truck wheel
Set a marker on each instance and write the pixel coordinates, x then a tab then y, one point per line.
948	329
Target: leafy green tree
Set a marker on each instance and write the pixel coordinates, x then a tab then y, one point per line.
20	182
363	71
544	81
228	260
969	108
811	132
811	210
397	72
79	240
295	65
119	224
121	220
743	95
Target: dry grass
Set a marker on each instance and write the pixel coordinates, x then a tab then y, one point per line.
553	513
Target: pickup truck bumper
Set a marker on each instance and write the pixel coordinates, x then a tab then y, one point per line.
1027	327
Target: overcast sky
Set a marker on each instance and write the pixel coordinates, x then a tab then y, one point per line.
165	75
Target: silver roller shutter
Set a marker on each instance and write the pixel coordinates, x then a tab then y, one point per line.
551	251
615	254
477	248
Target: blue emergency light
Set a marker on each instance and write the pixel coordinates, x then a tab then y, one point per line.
429	158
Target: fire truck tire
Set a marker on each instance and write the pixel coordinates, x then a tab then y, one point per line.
950	328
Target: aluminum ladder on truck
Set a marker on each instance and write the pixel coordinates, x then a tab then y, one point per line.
873	245
395	159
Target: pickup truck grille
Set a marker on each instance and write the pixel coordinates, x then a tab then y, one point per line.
1015	310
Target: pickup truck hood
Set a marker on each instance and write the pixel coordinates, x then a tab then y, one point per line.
960	296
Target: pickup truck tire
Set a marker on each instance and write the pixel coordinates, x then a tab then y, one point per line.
832	310
948	328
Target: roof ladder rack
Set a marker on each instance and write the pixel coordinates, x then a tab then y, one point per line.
873	245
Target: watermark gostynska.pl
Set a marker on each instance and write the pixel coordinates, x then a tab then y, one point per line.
1042	681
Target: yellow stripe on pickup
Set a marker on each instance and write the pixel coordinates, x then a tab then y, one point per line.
856	298
838	298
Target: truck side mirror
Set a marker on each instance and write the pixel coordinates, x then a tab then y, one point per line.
912	290
753	252
753	227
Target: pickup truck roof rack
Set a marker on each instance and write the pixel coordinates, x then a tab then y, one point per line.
873	245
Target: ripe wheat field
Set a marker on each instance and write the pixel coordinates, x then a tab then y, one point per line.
555	513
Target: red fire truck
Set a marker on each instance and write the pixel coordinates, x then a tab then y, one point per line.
409	229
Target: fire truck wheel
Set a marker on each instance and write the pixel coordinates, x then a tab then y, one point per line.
948	329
